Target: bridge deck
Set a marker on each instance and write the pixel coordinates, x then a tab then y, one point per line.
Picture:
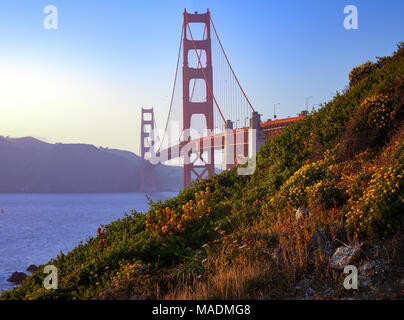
240	139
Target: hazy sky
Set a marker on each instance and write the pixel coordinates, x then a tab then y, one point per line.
87	81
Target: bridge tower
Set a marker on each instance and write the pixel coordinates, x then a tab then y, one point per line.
147	172
203	161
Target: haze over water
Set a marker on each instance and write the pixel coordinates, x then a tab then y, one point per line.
35	227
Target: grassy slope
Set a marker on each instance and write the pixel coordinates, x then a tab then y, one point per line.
237	237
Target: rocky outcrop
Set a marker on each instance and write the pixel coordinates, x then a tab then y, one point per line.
33	268
17	277
344	255
319	242
368	268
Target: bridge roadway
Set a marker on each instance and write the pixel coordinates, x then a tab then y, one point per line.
239	140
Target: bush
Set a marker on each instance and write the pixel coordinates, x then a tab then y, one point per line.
166	221
379	211
360	72
374	116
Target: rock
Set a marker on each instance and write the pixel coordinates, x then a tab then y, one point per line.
364	281
309	294
300	212
33	268
327	293
17	277
367	268
303	285
319	240
343	256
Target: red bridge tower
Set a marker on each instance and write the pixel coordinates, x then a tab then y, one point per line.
196	167
147	172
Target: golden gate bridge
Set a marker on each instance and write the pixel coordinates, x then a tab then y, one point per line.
211	90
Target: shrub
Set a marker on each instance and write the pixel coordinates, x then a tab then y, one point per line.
295	189
374	115
360	72
369	125
166	221
323	193
378	211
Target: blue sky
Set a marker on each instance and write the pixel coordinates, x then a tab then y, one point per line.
87	81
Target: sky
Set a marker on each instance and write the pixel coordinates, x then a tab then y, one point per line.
87	81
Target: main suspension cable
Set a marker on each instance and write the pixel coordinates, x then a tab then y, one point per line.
175	83
228	62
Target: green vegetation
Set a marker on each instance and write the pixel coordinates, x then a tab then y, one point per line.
237	237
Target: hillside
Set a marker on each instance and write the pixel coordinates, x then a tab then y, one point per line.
33	166
330	183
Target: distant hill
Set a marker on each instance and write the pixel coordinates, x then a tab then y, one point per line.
29	142
125	154
33	166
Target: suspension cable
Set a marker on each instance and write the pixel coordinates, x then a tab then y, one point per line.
175	83
217	36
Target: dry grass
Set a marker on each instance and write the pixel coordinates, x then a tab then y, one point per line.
235	281
263	270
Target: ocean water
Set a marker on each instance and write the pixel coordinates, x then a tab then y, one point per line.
36	227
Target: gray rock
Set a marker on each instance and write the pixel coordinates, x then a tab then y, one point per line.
319	240
33	268
368	268
364	281
309	294
17	277
344	255
327	292
303	285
